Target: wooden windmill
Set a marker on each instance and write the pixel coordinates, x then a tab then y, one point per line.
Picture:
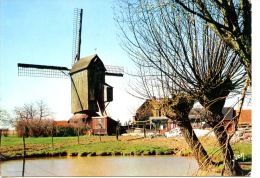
89	91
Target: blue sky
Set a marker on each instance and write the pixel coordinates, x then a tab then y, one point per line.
41	32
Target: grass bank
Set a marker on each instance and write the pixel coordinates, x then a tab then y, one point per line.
12	147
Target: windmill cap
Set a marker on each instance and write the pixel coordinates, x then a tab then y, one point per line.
85	63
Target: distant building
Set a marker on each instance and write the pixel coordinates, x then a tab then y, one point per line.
197	117
94	125
61	123
104	125
245	118
154	113
151	108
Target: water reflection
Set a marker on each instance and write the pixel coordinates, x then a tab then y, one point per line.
103	166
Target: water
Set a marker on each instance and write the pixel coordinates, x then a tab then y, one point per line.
103	166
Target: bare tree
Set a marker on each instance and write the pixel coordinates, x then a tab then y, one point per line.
189	54
31	120
229	19
4	124
43	111
5	118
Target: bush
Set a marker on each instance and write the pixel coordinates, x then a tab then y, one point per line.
34	127
67	131
64	131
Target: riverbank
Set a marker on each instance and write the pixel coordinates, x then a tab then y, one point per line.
12	147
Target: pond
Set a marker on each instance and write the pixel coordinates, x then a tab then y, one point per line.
103	166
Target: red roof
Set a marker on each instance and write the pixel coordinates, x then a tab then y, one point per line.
61	123
78	117
245	116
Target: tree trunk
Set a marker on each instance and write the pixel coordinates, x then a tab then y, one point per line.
231	165
197	148
179	108
216	121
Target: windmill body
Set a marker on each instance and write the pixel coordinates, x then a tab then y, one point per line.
88	86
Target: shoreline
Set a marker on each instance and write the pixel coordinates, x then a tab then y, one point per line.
12	148
93	154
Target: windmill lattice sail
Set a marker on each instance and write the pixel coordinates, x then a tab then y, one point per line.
77	28
34	70
114	71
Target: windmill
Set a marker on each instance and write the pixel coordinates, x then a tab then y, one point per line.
89	91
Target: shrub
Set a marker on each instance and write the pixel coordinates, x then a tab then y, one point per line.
34	127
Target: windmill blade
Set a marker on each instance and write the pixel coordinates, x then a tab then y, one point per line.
77	28
42	71
116	71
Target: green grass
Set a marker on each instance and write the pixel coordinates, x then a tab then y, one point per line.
244	150
12	140
89	146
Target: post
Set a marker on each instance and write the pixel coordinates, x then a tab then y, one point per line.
100	131
23	167
144	130
117	132
24	151
100	134
78	134
52	134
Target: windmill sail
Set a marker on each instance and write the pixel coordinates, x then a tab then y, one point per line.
34	70
77	28
116	71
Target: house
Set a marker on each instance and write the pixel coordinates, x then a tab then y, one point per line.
104	125
197	117
154	112
94	125
228	113
61	123
80	120
245	118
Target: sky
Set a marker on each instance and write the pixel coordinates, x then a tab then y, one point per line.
41	32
